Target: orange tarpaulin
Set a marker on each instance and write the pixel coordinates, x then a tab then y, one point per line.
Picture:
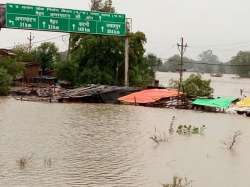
149	96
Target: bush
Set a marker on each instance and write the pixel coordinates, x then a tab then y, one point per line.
194	86
66	71
5	81
13	68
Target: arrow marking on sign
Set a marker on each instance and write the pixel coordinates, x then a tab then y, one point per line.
44	23
102	29
11	22
73	26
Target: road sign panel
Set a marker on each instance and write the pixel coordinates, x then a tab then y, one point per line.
82	26
21	21
64	20
54	24
110	28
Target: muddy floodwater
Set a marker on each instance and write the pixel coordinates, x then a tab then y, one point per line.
94	145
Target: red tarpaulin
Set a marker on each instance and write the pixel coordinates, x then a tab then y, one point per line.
149	96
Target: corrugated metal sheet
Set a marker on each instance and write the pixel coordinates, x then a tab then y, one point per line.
222	102
149	96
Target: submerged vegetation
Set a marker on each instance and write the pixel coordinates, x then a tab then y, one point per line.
179	182
159	137
5	81
24	161
233	140
186	130
189	129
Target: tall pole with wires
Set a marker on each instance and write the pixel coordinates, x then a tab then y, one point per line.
182	48
30	38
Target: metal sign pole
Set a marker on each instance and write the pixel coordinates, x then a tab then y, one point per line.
126	60
128	30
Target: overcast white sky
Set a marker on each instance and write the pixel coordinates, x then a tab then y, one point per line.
220	25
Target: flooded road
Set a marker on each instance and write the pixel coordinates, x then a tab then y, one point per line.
64	145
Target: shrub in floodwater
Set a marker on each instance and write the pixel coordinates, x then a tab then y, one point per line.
159	137
179	182
181	130
233	140
189	129
23	162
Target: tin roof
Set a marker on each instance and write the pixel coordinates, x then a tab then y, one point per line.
149	96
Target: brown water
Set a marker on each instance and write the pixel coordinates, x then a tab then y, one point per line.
109	145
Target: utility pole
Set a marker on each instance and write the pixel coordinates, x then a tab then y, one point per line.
182	49
30	38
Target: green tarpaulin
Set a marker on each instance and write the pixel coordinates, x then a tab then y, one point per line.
222	102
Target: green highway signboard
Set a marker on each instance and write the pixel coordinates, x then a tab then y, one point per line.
64	20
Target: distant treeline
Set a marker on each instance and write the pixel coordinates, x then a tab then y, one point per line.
210	63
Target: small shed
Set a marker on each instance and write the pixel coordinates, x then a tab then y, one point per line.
32	69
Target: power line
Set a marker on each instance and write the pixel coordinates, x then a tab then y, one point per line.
220	64
222	45
211	64
41	41
30	38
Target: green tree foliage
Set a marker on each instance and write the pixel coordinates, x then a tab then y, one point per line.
241	63
67	71
12	67
23	54
103	6
47	55
153	61
140	72
5	81
100	59
194	86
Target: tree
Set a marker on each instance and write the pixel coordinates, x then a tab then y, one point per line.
5	81
173	64
194	86
22	53
153	61
208	57
13	68
99	5
46	54
67	71
241	63
100	59
211	62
